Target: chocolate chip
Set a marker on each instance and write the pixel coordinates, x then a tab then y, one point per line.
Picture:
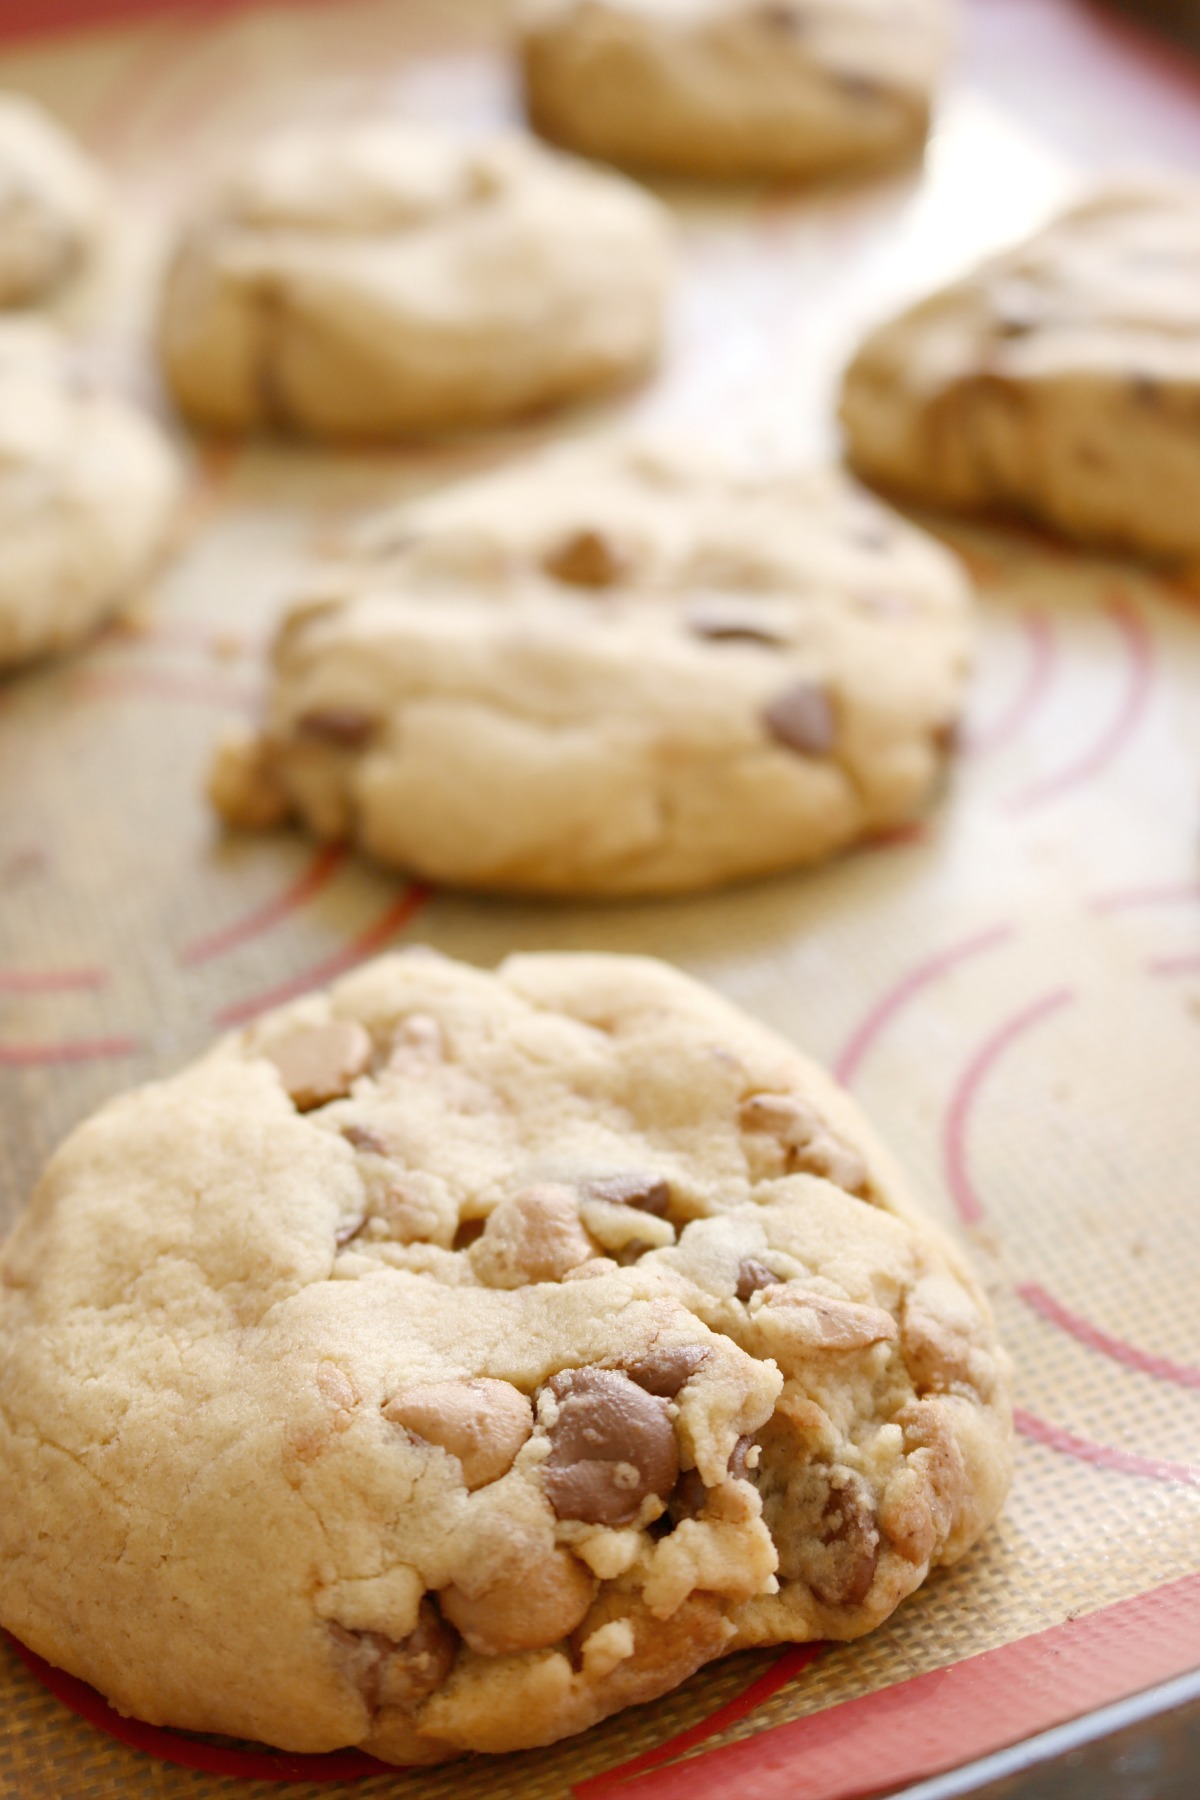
664	1369
391	1673
801	718
739	1459
649	1193
1145	390
612	1445
690	1497
318	1063
585	559
727	624
753	1275
777	15
340	725
858	87
947	737
840	1571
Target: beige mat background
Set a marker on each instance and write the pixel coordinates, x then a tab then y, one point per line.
1013	990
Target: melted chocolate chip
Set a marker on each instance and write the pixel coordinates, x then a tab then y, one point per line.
340	725
753	1275
728	624
585	559
801	718
648	1193
612	1445
664	1369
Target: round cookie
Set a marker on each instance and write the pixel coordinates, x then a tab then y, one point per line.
381	278
1060	380
613	670
728	88
449	1360
52	203
88	487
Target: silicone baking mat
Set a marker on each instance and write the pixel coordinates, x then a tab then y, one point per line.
1013	988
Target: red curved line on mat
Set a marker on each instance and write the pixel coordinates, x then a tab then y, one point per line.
28	1056
1104	1456
49	981
970	1207
1139	661
190	1753
1123	899
317	876
1039	675
784	1669
160	684
884	1011
399	914
1161	1367
1186	964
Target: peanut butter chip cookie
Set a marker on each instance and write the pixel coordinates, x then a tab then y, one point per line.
449	1360
728	88
381	278
88	488
613	670
1060	380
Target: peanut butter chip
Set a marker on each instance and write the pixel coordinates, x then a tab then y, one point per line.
753	1275
533	1604
341	725
612	1444
535	1236
664	1369
827	1324
648	1193
483	1423
801	718
319	1062
585	559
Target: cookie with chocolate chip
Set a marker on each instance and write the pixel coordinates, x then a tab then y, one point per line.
734	88
376	278
617	669
1059	382
88	490
452	1359
53	204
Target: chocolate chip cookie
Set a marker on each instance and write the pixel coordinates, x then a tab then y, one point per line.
377	278
728	88
613	670
88	488
52	204
449	1360
1059	381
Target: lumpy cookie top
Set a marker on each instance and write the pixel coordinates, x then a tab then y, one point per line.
378	277
52	203
88	485
734	87
1057	377
451	1359
620	668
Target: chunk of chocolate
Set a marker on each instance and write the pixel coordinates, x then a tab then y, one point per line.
802	719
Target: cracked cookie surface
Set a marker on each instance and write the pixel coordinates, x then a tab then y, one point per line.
380	278
616	669
1059	381
88	489
449	1360
734	88
53	203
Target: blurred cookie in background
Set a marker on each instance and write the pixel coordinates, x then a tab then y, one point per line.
613	670
1060	381
88	488
53	203
376	279
734	88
